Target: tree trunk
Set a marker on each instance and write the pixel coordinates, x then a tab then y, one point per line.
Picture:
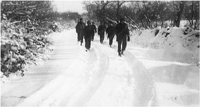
196	14
179	14
156	23
118	8
161	23
192	14
142	23
117	12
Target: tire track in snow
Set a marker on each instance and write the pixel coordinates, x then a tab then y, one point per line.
61	89
100	69
93	76
91	59
145	90
66	92
118	85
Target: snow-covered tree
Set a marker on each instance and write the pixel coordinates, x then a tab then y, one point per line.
24	30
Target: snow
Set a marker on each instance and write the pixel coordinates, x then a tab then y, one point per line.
150	73
173	62
170	44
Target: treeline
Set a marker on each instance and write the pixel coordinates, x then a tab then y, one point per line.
25	26
147	14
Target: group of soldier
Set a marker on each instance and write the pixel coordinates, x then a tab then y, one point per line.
88	31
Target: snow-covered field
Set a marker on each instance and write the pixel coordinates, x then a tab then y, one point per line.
144	76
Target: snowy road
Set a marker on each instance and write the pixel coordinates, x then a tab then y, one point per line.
74	77
98	77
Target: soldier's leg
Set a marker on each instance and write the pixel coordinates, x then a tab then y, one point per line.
116	37
89	43
119	47
111	39
101	38
78	37
124	45
85	43
92	36
81	39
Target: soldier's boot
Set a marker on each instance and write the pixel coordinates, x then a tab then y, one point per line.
122	53
119	54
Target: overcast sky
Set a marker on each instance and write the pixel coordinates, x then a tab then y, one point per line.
69	5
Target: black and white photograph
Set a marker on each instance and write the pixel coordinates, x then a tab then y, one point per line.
100	53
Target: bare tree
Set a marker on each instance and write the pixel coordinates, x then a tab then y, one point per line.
101	10
179	13
119	4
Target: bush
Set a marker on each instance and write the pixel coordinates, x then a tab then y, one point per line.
20	47
24	33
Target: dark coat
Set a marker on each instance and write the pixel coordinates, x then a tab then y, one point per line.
101	29
110	30
122	31
80	27
88	31
94	28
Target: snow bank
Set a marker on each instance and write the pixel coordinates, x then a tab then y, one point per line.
171	44
175	84
177	44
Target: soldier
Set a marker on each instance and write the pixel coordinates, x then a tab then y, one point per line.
111	33
80	30
122	33
101	31
88	32
94	30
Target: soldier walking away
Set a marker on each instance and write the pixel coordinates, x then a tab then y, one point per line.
111	33
94	30
88	31
122	33
80	30
101	31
